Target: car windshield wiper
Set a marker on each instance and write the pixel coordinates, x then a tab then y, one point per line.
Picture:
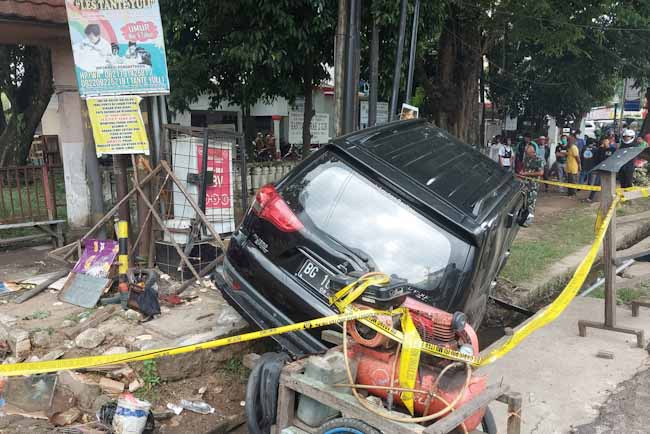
358	256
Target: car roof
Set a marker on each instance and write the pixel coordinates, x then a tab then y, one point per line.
447	174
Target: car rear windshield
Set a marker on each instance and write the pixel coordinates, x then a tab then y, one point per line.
334	198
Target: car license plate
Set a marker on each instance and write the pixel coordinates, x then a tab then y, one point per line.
315	275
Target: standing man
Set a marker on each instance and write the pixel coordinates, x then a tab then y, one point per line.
605	150
561	152
588	161
627	171
573	165
506	156
533	167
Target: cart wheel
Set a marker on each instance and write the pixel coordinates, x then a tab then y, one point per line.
346	425
488	423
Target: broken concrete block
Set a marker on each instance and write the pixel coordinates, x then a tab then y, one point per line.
90	338
19	343
111	387
84	389
115	350
125	373
134	385
53	355
66	418
41	338
131	315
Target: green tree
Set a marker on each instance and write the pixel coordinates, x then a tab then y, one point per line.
246	51
26	83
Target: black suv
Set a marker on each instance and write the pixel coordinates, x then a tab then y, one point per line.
405	198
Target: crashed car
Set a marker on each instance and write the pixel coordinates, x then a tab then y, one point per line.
406	199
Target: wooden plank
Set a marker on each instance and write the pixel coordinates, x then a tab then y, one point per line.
286	408
30	224
346	404
41	287
7	241
449	422
99	317
514	413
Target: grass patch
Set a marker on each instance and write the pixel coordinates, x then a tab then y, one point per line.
558	238
625	295
39	314
151	380
236	369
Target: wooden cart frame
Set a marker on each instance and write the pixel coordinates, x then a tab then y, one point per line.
294	382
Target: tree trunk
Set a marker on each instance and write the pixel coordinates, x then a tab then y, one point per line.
249	132
456	82
645	128
3	119
307	80
31	100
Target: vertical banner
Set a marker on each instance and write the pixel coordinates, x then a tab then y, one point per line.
118	47
117	125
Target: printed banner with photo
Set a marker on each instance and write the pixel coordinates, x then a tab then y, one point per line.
118	47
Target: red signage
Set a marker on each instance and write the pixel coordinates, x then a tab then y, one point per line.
140	31
218	192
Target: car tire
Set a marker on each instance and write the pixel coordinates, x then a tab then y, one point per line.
346	425
488	424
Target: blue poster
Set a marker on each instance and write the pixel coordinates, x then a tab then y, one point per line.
118	47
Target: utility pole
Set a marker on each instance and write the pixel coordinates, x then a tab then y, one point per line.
374	75
339	67
350	86
398	61
413	48
357	66
620	124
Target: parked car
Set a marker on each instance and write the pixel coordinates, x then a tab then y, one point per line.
590	129
405	198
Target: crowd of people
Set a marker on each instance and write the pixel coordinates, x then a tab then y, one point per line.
575	157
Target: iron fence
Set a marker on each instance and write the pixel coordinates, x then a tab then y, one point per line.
29	193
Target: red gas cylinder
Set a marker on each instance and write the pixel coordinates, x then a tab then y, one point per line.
375	367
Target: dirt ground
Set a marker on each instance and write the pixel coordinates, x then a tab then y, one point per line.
625	411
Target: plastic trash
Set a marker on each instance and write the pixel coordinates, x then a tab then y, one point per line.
130	415
177	409
197	406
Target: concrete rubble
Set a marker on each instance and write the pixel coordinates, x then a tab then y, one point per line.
69	331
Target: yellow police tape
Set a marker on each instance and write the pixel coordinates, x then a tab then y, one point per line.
645	191
411	343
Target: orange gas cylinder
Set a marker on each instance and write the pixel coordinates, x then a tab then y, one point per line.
375	367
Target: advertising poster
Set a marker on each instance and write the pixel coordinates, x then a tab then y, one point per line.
118	47
219	191
117	125
97	258
319	127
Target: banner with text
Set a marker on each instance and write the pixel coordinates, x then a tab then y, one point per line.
118	47
117	125
319	127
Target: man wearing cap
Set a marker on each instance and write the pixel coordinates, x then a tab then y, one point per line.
627	171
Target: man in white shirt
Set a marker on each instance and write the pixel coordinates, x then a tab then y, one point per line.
506	156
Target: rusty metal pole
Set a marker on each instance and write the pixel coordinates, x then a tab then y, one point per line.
608	194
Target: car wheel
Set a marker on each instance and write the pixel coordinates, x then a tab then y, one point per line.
346	425
488	424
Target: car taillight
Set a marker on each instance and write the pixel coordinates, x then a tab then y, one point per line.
270	206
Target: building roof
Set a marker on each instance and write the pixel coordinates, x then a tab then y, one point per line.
47	11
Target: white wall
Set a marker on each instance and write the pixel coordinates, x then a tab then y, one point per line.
278	107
